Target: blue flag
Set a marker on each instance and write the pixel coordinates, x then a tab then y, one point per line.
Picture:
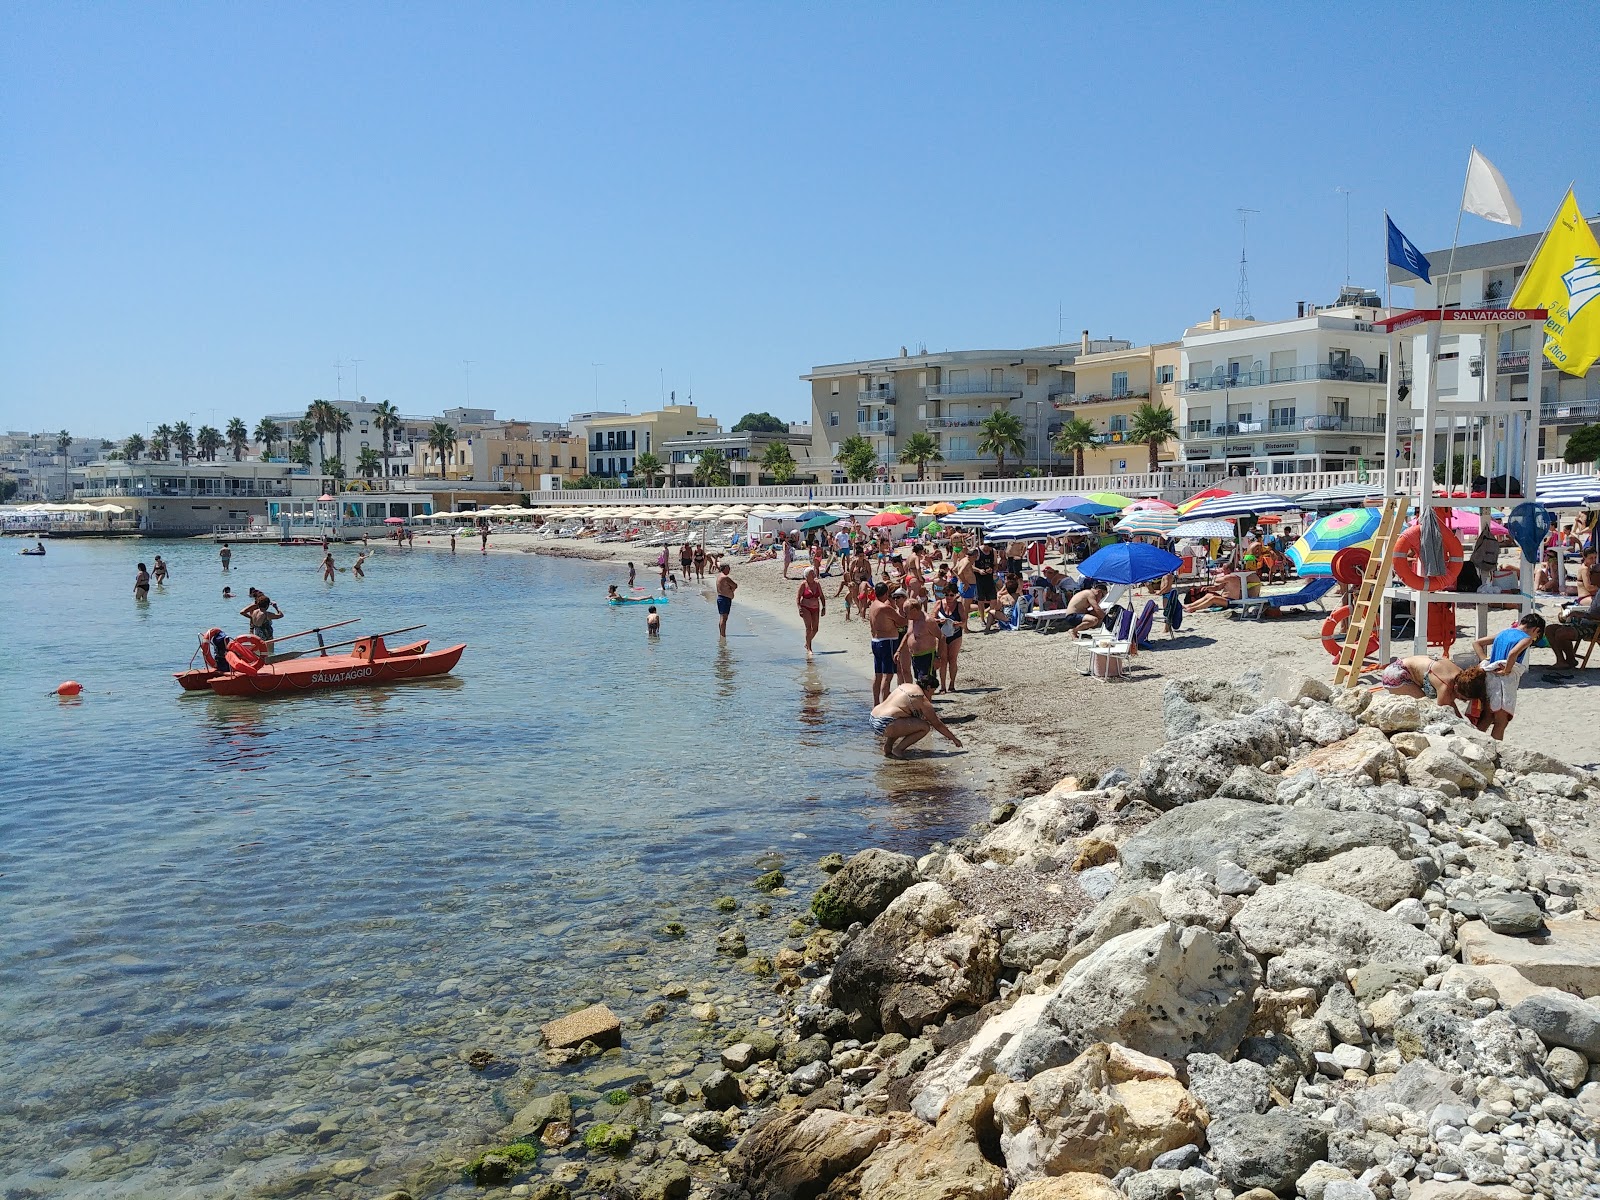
1404	255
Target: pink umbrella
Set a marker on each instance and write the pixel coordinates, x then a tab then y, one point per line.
1150	505
1465	521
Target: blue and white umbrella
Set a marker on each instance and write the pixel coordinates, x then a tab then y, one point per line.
1214	528
1241	504
1567	490
976	519
1034	524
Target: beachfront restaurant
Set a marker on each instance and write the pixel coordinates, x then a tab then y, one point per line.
348	515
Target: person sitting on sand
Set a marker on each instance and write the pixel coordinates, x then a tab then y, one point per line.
1576	626
1431	678
904	717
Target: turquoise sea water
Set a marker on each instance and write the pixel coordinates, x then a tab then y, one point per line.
243	938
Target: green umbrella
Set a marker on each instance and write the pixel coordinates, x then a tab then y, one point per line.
976	502
818	522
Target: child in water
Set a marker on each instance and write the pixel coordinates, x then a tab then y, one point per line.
652	622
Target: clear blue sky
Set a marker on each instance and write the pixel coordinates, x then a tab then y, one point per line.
206	206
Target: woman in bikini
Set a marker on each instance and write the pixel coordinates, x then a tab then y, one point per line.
951	626
813	604
1425	677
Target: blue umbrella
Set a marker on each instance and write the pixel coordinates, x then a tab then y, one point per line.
1061	503
1129	562
1011	506
811	514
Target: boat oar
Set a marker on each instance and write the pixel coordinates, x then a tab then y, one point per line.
307	632
365	636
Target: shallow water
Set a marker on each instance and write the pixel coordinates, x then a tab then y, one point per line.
231	924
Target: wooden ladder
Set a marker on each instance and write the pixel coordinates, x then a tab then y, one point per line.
1368	606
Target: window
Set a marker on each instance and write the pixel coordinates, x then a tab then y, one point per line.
958	379
520	461
554	460
1339	405
1164	374
1033	376
1283	416
997	378
1117	424
1119	383
833	389
505	460
833	420
922	379
574	460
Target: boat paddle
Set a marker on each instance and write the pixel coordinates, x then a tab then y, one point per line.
365	636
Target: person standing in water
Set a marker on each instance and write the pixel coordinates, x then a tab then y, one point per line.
726	586
160	573
356	566
813	603
141	583
630	577
327	566
452	541
226	555
652	622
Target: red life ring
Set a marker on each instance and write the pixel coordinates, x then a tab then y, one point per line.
1408	562
246	654
205	647
1350	565
1333	640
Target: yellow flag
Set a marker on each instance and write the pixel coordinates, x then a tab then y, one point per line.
1564	277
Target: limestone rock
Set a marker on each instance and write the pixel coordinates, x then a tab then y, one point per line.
1324	725
1442	1030
1561	1020
1042	824
1373	874
920	960
967	1062
532	1117
798	1154
1269	1150
1074	1185
1189	705
1262	839
1435	1189
1566	956
669	1180
1191	768
1366	753
1351	933
1435	765
944	1163
1165	991
863	888
1397	714
1229	1089
1108	1109
1566	1068
1509	912
597	1024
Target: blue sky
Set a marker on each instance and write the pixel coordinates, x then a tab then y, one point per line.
205	207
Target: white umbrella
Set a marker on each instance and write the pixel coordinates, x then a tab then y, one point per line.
971	520
1213	528
1241	504
1031	525
1567	491
1344	495
1149	521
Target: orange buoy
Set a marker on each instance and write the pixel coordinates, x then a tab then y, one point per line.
70	688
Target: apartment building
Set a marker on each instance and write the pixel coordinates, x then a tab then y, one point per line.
519	452
364	435
615	442
1107	389
743	453
1280	397
1485	275
947	395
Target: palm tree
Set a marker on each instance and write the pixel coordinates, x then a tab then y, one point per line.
268	432
339	422
133	447
441	438
161	442
1071	439
319	412
183	441
920	450
305	432
63	444
649	466
368	463
1154	425
778	461
210	441
1000	434
712	469
238	438
334	470
300	453
857	457
387	419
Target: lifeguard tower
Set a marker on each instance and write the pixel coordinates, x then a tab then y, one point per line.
1475	422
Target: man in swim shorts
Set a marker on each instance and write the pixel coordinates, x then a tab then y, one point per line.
905	715
883	625
922	649
726	586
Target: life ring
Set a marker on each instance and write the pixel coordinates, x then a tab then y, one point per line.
1349	566
1333	641
246	654
205	647
1408	560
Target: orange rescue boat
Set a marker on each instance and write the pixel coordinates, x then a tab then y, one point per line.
369	662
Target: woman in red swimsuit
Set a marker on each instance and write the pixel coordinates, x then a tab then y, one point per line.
813	606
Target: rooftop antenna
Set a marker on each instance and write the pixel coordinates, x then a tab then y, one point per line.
355	377
597	367
1241	299
1346	193
467	362
1061	320
663	372
338	367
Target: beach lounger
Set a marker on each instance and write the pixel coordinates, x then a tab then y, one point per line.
1046	619
1311	593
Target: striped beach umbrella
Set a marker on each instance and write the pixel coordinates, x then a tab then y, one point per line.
1568	491
1032	525
1312	553
1341	495
1148	521
1213	528
1241	504
976	519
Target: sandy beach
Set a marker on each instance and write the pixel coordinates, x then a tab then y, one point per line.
1027	713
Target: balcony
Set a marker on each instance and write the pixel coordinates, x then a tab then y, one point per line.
868	396
884	426
953	422
1223	380
979	389
1555	412
1205	431
1061	397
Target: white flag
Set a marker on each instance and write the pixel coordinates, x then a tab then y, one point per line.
1487	194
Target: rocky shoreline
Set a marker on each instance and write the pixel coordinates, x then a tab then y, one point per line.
1321	945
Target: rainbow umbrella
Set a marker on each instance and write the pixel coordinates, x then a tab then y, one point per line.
1312	553
1112	500
1201	497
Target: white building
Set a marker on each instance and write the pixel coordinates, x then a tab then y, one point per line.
1485	275
1281	397
363	435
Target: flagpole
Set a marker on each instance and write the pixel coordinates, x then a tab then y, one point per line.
1388	287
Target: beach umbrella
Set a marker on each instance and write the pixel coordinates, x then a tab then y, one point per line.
1085	507
1031	526
1343	495
940	509
1464	521
1201	497
1567	491
1130	563
1061	503
975	502
1312	553
811	514
1205	529
821	521
1014	505
1240	504
977	519
1151	504
886	519
1148	521
1112	500
394	520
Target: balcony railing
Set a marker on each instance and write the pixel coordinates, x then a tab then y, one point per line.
884	426
259	491
1312	424
1513	360
980	388
1227	380
953	422
1555	411
1066	397
875	396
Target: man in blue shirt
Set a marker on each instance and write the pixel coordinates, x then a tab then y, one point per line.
1504	656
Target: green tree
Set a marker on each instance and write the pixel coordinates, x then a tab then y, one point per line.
857	457
387	419
209	441
1000	434
1460	470
305	432
300	453
1071	440
711	470
920	450
761	422
778	461
238	438
334	470
1155	426
183	441
648	466
368	463
320	414
133	447
339	423
161	442
1583	445
442	439
64	444
268	433
8	487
